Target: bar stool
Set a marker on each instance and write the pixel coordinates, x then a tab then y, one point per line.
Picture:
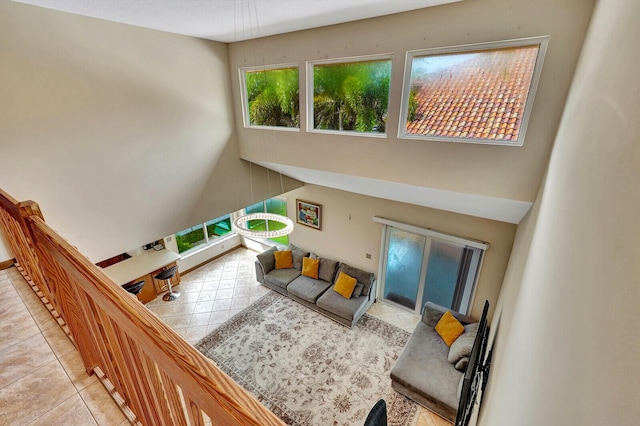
167	275
134	288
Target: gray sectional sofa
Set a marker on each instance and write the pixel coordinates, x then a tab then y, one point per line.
318	294
424	372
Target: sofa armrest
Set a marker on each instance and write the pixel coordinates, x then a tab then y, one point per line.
259	272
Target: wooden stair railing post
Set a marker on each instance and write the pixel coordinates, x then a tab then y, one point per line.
159	375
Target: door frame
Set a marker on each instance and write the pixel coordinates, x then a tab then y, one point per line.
429	234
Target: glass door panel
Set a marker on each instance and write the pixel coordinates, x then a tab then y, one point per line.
405	255
444	266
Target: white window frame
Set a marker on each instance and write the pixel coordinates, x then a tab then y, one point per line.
207	241
245	101
541	41
310	93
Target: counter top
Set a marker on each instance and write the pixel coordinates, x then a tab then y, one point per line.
138	266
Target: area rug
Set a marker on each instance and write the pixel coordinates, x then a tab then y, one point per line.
308	369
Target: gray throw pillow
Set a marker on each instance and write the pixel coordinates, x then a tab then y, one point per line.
327	269
297	254
266	259
357	292
462	364
461	347
366	278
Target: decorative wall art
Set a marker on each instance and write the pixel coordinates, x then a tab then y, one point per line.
309	214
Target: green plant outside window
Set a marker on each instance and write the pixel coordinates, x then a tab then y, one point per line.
195	236
272	205
351	96
273	97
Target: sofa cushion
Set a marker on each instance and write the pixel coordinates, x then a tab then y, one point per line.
357	292
307	288
298	254
310	267
284	260
282	277
344	308
424	369
449	328
267	260
327	270
462	346
462	363
366	278
432	313
344	285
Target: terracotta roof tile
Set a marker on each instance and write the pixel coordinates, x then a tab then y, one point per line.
481	97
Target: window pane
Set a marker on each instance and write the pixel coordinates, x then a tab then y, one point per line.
218	227
273	97
405	252
277	206
351	96
256	224
443	268
272	205
190	238
473	95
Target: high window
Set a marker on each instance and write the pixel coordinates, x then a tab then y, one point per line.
475	93
272	205
271	97
349	96
202	234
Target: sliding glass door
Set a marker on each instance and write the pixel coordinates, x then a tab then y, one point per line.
419	267
405	253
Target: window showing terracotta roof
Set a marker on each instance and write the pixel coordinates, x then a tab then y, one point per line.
471	95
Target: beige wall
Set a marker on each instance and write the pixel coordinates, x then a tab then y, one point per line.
499	171
5	252
349	233
123	135
567	346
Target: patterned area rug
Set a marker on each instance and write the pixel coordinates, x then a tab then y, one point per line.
308	369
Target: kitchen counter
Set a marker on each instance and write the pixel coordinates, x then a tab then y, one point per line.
140	265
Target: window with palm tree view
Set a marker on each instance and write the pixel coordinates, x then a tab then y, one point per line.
478	94
350	96
272	205
272	97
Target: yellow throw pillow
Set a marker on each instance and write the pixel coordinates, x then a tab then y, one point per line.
449	328
344	285
310	267
284	259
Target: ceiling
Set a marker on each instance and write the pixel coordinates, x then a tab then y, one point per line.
233	20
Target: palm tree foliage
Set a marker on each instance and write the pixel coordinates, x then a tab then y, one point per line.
273	97
351	96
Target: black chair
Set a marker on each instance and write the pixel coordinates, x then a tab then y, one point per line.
167	275
378	415
134	288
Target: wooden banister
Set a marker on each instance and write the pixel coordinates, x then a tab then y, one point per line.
162	378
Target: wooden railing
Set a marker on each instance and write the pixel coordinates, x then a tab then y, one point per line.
161	378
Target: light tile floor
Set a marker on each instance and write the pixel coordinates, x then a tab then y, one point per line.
220	289
42	380
35	353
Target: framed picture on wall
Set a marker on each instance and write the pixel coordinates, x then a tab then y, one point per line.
309	214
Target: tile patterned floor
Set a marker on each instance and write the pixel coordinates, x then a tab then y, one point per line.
35	353
42	380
